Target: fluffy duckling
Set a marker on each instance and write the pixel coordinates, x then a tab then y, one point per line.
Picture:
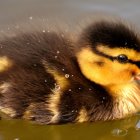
46	78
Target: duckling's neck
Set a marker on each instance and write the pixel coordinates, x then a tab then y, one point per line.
126	99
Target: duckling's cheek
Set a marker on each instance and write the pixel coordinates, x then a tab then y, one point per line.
126	73
123	77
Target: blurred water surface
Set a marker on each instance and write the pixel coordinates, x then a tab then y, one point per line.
14	11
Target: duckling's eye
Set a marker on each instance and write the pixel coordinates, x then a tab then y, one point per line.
122	58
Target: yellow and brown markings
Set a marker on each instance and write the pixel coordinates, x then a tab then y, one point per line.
5	109
117	78
4	87
102	70
83	115
28	114
126	94
8	111
5	63
54	99
130	53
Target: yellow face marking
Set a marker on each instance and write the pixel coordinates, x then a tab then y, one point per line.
83	116
110	73
5	63
117	78
54	99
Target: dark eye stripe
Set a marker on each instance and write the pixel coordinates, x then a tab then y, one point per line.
103	54
137	63
112	58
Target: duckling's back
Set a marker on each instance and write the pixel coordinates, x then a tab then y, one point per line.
27	73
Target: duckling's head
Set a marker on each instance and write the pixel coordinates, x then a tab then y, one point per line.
109	54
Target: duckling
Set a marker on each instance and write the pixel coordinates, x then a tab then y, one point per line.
49	79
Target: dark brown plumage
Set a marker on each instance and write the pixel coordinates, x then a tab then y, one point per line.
45	76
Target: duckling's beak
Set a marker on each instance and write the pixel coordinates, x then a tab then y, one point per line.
137	77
